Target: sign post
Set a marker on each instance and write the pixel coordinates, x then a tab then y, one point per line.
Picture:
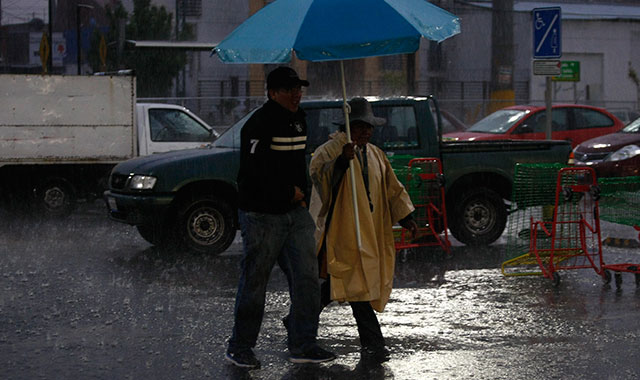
44	51
547	43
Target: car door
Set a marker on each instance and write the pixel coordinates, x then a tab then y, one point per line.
589	123
534	126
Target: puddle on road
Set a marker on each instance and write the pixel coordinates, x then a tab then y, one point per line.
113	301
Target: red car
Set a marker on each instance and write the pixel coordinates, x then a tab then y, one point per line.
572	122
613	155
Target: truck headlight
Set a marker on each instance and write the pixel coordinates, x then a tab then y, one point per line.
142	182
624	153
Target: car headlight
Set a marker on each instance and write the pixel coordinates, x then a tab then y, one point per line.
624	153
142	182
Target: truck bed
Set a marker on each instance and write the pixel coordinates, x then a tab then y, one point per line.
67	119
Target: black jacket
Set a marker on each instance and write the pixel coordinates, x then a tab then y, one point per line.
272	159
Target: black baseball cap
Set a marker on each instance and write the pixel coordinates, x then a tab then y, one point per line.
284	77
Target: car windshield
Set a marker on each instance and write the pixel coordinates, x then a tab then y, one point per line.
498	122
231	137
633	127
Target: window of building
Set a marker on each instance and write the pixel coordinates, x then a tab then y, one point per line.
192	8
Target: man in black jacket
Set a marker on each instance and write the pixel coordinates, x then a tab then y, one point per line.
275	224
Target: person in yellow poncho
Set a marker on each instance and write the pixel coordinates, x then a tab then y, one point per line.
361	276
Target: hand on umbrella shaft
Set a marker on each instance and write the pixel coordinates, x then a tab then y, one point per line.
348	151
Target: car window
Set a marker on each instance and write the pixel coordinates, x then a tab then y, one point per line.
622	115
450	123
633	127
447	127
626	116
537	123
498	122
588	118
176	126
321	122
399	131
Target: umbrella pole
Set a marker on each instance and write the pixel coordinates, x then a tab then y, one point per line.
346	110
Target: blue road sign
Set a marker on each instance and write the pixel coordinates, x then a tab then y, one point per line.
547	41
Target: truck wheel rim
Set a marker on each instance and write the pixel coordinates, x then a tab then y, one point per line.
54	198
206	226
479	218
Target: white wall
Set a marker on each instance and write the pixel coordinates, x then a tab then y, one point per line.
604	49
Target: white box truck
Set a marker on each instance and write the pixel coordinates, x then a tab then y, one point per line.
60	136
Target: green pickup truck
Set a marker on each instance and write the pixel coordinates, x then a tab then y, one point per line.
188	198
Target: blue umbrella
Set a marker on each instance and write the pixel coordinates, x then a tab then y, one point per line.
331	30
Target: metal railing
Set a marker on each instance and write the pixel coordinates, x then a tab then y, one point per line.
222	103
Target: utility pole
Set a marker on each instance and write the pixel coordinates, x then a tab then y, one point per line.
79	35
181	20
2	57
411	74
502	55
50	57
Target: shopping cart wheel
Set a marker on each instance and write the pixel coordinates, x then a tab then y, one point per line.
606	278
618	277
556	279
594	190
567	193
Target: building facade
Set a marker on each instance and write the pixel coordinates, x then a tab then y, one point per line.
603	36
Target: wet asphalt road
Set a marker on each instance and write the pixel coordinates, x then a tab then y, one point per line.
87	298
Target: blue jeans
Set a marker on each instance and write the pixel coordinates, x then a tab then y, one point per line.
288	240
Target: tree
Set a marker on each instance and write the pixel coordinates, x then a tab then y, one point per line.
155	68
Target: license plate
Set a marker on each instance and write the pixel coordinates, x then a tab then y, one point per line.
113	206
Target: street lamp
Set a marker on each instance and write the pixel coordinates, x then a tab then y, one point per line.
78	7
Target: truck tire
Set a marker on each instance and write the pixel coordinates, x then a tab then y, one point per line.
55	198
206	225
479	217
162	235
149	233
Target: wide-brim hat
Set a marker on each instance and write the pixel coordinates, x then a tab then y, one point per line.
284	77
361	111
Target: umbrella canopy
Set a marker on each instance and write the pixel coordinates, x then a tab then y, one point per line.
328	30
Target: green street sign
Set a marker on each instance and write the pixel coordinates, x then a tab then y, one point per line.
569	72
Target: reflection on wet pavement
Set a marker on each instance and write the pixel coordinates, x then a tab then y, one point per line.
90	299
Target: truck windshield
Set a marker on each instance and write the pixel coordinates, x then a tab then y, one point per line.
231	137
498	122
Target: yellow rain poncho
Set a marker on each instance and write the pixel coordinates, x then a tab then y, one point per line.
365	274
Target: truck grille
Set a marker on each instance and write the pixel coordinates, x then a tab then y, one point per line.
118	181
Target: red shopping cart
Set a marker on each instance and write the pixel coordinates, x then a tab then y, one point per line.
425	183
620	204
571	240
